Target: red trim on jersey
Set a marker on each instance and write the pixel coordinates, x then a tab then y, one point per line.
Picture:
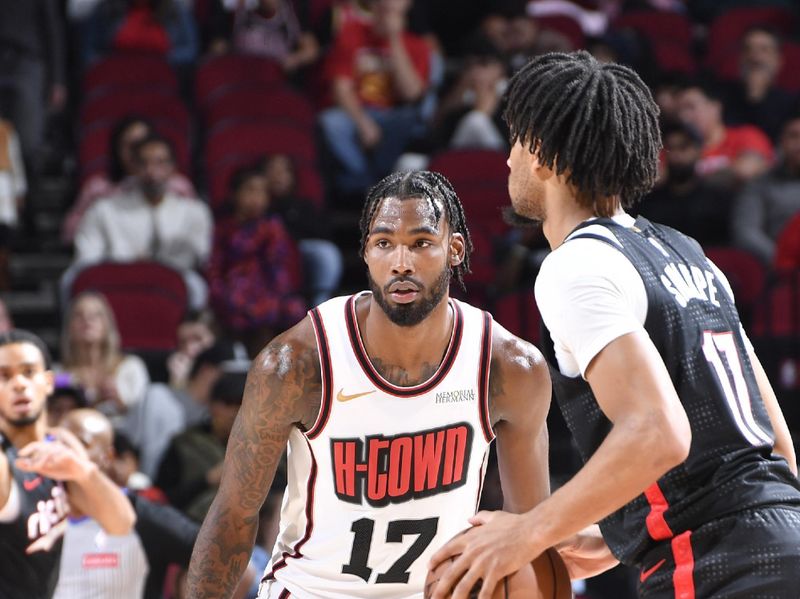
483	378
656	524
366	364
683	576
312	477
327	374
285	594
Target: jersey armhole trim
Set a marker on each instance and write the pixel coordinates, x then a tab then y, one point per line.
326	372
483	378
296	552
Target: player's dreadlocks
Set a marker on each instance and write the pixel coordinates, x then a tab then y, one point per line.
596	123
433	187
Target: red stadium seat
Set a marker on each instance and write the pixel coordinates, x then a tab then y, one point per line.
789	75
658	26
130	72
744	272
114	105
260	139
483	204
472	166
149	301
480	178
566	26
254	104
230	71
674	57
777	313
519	313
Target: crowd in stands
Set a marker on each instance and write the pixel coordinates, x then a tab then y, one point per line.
223	138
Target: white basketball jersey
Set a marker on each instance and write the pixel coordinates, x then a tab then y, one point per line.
387	474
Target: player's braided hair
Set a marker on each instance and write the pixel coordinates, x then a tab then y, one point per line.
433	187
596	123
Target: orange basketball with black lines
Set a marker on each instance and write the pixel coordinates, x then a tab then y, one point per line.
545	578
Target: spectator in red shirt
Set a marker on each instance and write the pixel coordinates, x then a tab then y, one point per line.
731	155
378	71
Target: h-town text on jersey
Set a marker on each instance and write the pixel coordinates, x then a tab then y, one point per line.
394	469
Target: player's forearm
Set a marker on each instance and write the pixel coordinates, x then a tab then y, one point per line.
586	554
221	552
97	496
634	455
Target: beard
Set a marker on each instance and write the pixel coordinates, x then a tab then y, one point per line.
409	315
515	219
527	203
24	421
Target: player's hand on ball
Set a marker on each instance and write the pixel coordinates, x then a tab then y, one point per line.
498	545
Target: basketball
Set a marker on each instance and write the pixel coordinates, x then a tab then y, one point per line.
545	578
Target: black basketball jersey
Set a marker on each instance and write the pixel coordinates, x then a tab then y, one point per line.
695	327
30	545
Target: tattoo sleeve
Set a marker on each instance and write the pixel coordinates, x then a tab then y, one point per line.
283	391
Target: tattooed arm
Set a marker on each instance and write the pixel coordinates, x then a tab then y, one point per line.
283	391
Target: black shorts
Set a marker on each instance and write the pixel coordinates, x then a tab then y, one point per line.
754	554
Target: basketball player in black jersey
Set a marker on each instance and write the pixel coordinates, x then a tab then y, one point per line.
44	475
688	464
414	238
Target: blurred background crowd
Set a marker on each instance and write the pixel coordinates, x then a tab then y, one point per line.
180	180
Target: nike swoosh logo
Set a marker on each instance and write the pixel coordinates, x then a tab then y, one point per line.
342	397
647	573
30	485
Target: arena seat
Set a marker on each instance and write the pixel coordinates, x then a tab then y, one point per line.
519	313
129	71
229	71
657	26
777	312
744	272
114	105
149	301
259	103
471	166
566	26
258	139
789	75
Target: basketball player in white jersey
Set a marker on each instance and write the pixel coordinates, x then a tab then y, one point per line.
388	401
